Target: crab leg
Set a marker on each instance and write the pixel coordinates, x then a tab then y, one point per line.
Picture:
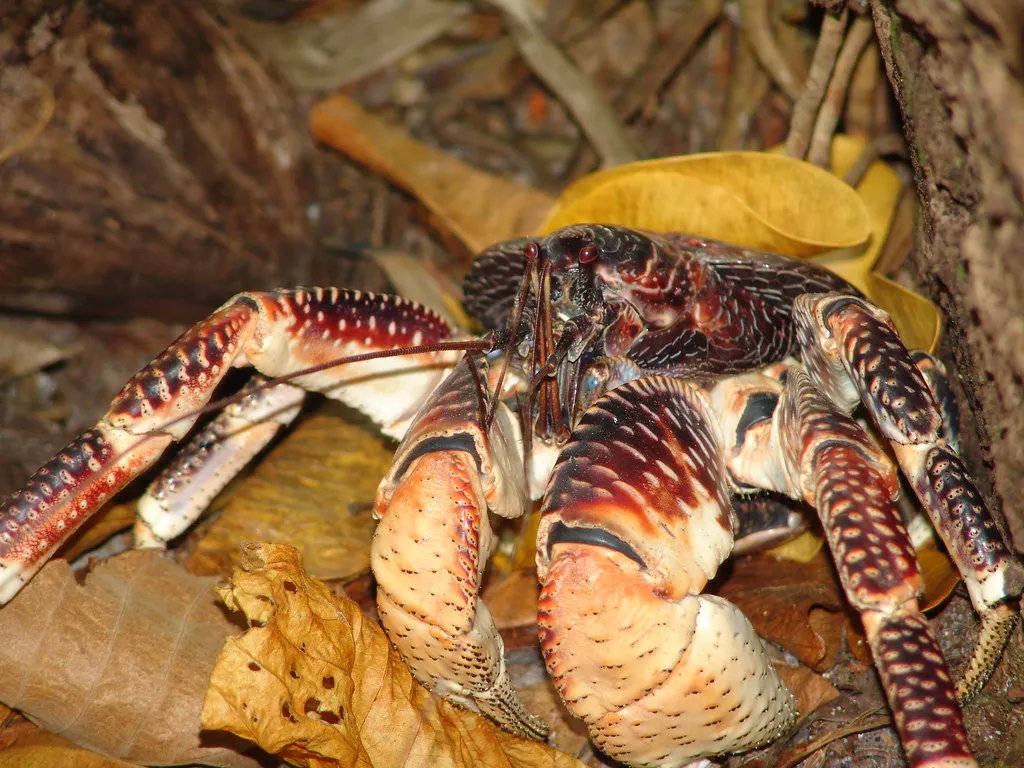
853	355
200	470
791	439
635	521
433	542
276	333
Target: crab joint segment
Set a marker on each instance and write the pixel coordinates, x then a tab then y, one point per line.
635	522
853	354
810	450
433	542
276	333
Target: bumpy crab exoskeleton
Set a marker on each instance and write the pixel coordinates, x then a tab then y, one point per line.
636	466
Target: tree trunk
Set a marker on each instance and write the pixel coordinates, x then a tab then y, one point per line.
955	67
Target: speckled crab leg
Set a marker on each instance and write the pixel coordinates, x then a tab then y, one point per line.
433	542
791	439
277	333
635	521
208	462
854	355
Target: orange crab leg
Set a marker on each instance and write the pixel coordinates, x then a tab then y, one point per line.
277	333
431	547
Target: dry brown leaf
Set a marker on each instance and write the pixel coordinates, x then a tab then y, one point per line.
27	746
811	689
119	665
478	207
795	606
328	52
512	601
314	491
317	683
755	199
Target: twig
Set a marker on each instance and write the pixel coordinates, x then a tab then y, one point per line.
577	91
859	724
747	86
670	55
806	107
758	30
886	144
861	31
47	105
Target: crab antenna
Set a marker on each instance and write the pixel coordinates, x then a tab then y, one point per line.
485	344
531	255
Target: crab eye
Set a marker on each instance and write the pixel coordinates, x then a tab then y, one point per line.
588	253
532	252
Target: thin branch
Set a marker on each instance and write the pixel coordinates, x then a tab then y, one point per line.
757	27
592	112
886	144
806	107
861	31
859	724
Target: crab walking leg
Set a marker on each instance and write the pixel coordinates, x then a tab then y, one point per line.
635	521
218	452
791	439
853	355
433	542
277	333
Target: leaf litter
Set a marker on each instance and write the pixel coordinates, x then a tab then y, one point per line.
317	683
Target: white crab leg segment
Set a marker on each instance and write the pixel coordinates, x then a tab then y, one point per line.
635	522
277	333
201	469
793	440
853	354
433	542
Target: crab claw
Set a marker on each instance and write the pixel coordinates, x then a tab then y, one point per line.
433	542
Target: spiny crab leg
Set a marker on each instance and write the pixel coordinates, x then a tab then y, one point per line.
806	448
854	355
635	522
277	333
433	542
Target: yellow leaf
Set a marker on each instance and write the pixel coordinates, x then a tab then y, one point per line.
916	318
754	199
31	747
317	683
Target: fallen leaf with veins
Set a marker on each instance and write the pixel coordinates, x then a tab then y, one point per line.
118	665
318	684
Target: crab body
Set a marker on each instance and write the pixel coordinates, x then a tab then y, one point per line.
657	376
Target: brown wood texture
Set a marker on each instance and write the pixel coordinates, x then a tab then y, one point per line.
153	167
955	68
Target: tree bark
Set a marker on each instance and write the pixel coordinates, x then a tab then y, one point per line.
955	68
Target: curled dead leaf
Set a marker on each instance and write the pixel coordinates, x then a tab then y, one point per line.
317	683
755	199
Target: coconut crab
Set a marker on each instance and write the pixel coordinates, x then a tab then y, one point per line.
659	381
